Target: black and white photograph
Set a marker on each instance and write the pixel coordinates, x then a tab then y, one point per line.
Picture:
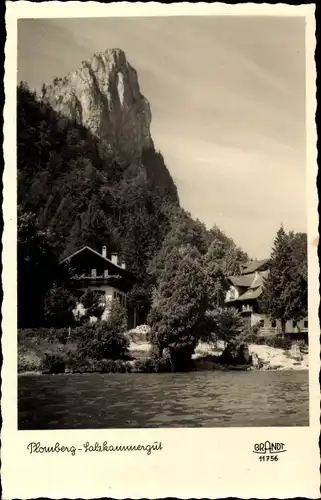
162	223
160	268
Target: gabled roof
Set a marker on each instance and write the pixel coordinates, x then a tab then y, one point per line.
97	254
242	281
254	266
259	279
251	294
252	285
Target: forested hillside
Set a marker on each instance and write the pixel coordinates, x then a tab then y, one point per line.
83	198
78	196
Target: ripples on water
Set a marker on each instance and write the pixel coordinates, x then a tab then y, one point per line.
206	399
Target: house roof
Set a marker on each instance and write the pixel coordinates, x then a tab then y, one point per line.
242	281
254	266
252	285
252	293
118	269
259	279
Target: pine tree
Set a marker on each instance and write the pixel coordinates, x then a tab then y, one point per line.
285	291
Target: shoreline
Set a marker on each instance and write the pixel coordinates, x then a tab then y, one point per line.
264	358
250	369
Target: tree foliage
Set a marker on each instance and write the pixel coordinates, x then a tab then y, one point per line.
94	303
226	252
179	304
85	196
184	231
285	289
73	191
58	307
224	324
222	259
106	339
38	270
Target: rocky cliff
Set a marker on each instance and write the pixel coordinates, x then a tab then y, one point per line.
77	192
104	96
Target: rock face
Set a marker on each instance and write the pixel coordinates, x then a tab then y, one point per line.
104	96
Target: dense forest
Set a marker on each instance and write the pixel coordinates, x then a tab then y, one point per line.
71	193
73	190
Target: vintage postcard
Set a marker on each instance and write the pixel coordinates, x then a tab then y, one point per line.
160	270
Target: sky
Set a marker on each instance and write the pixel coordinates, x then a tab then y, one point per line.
227	96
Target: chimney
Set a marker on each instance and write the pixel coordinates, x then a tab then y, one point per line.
104	252
114	258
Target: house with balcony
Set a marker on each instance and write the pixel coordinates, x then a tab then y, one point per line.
245	293
106	276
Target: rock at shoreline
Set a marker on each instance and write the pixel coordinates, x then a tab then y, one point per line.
236	355
272	358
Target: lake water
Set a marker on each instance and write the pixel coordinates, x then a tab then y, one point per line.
205	399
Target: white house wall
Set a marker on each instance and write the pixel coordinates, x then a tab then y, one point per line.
108	296
289	328
232	294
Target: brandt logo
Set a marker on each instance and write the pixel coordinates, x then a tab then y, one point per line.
269	448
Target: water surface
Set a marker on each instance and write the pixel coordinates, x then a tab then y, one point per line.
205	399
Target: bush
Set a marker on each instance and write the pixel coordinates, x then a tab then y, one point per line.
99	341
154	352
111	366
279	342
222	324
77	364
93	303
149	365
162	365
53	364
144	366
108	339
251	335
104	339
52	335
28	360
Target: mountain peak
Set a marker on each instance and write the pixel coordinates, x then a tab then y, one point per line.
103	95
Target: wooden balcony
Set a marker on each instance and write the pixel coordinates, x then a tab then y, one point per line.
88	280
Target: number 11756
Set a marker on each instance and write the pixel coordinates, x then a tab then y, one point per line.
269	458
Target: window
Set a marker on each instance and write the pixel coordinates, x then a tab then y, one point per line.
232	294
93	273
294	323
273	323
261	323
306	323
106	273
